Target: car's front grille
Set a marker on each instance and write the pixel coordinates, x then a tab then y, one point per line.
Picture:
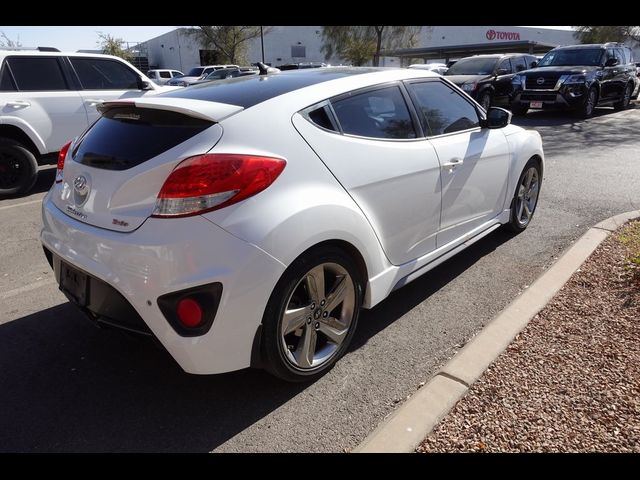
542	81
538	96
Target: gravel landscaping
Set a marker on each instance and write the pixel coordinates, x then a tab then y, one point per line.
570	382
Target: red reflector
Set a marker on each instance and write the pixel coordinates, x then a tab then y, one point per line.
208	182
61	157
189	312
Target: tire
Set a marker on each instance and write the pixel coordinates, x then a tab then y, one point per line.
297	348
18	168
485	99
626	98
523	204
588	106
519	110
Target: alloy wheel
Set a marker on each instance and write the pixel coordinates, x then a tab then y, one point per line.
318	316
527	196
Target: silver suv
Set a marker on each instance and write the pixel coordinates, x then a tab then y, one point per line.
47	98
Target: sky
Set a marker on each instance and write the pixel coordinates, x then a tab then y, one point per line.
86	38
79	38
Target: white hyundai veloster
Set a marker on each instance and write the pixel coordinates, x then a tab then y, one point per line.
246	222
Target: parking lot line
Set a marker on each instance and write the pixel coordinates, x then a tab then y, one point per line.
21	204
26	288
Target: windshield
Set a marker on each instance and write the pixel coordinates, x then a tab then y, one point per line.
218	74
579	57
195	72
473	66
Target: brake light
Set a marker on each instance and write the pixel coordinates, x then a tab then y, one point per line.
208	182
61	157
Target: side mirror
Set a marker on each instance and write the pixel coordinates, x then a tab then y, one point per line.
534	64
611	62
144	85
502	71
496	118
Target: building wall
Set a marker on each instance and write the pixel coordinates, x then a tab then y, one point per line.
178	50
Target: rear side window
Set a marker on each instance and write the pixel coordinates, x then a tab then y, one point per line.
125	137
443	110
165	74
519	63
37	73
320	117
102	74
6	82
380	113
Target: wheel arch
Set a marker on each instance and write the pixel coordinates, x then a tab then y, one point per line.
16	133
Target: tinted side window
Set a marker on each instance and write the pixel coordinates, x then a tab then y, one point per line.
100	74
610	54
519	63
320	117
505	65
380	113
530	61
620	56
442	109
165	74
37	73
6	82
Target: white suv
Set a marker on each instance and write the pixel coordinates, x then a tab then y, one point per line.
47	98
163	76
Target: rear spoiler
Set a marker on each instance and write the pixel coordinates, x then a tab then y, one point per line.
212	111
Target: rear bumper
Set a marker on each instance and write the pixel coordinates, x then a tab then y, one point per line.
167	255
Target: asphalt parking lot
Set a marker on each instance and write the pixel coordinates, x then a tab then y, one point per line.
68	386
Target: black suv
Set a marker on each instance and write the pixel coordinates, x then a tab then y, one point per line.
578	77
487	78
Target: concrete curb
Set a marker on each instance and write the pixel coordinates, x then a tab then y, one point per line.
405	429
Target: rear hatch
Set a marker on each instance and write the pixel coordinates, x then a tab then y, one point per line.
113	173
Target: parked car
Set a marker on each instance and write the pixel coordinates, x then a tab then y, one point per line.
440	68
247	222
225	73
487	78
578	77
47	97
195	74
161	77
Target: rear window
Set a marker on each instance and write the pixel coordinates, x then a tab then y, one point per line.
125	137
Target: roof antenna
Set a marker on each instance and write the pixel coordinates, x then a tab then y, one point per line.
265	69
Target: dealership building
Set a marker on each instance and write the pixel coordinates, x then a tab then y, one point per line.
181	50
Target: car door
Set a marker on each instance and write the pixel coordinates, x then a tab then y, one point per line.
609	73
475	161
37	96
104	79
502	82
376	153
622	72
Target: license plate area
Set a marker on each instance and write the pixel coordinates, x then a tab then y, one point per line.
535	105
74	283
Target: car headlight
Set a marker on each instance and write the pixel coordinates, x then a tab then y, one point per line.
575	79
469	87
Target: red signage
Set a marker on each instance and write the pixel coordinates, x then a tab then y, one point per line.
493	35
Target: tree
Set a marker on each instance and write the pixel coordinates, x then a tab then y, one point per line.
113	46
6	42
359	44
607	33
229	41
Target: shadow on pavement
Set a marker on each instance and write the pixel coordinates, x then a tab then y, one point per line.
563	131
69	386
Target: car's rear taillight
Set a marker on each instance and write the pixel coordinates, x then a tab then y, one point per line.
61	157
209	182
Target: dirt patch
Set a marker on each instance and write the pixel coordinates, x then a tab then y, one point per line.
570	381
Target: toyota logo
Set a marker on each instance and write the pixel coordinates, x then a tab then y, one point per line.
491	34
540	81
